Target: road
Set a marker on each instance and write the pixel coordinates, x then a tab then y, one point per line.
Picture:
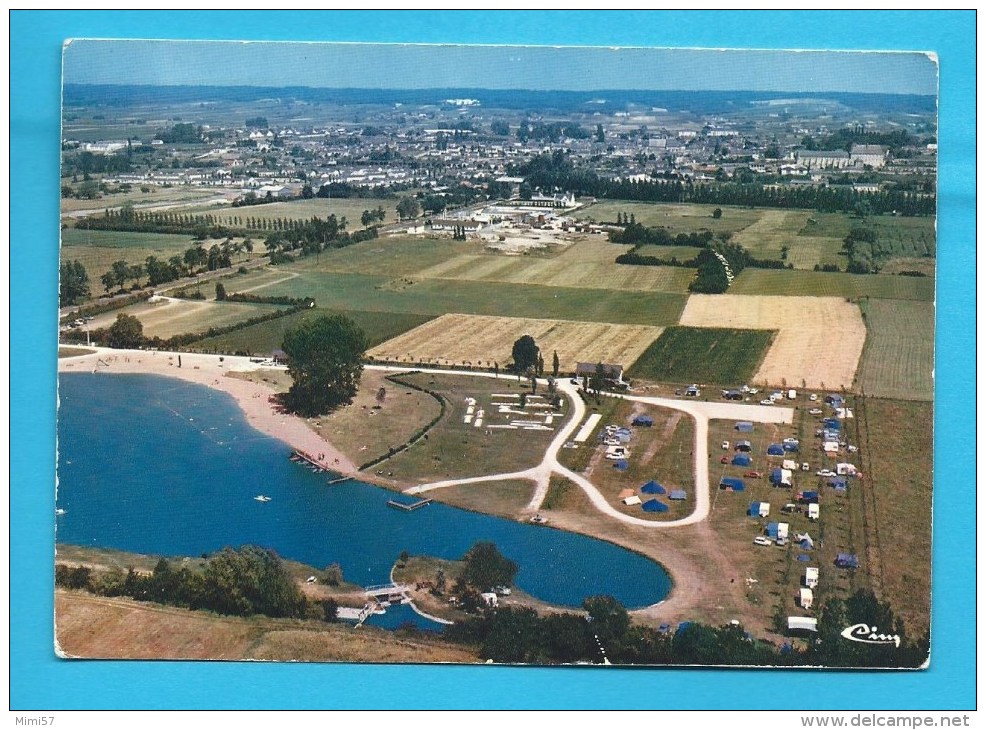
700	411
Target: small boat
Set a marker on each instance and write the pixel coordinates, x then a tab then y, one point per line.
539	520
59	511
262	498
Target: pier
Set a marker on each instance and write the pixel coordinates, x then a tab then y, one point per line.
409	507
314	464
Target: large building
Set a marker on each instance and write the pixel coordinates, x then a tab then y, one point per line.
824	159
874	155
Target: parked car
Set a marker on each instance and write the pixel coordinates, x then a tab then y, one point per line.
761	540
815	411
781	541
766	402
724	460
813	397
753	475
725	445
825	473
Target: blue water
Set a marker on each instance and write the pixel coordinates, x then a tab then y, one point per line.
155	465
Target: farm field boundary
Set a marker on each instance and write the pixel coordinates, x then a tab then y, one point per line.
704	355
898	360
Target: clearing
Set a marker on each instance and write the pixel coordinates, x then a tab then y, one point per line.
818	343
481	341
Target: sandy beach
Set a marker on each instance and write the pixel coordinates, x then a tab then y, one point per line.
213	371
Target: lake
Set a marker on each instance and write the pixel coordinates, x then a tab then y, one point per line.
155	465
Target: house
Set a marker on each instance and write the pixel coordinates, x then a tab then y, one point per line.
811	577
558	200
588	370
805	597
490	599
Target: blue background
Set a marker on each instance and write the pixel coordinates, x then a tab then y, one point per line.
38	680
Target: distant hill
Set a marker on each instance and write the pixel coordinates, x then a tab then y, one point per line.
697	102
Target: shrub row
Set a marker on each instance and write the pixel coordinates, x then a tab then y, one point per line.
393	450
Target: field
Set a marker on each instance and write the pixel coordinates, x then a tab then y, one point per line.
267	336
175	316
818	343
434	297
96	627
97	250
677	218
821	284
899	355
158	198
703	355
467	339
455	449
585	264
349	208
778	228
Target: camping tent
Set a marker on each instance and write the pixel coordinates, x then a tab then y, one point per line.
772	530
643	421
621	465
625	493
809	497
653	505
743	446
630	501
652	487
744	426
839	483
805	597
759	509
677	494
775	450
847	560
813	511
742	460
733	483
791	447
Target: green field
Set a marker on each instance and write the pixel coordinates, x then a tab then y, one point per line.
97	250
433	297
350	208
815	283
898	359
167	319
267	336
703	355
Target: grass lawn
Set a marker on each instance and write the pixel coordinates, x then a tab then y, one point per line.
703	355
679	218
73	352
898	358
267	336
97	250
816	283
455	449
350	208
504	499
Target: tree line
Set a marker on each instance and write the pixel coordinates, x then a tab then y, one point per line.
235	582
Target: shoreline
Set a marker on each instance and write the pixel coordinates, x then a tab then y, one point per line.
212	371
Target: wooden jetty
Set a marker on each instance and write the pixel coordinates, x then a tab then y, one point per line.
409	507
339	480
301	457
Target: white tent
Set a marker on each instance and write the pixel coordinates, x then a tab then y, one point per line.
813	511
630	501
831	446
786	476
845	469
782	529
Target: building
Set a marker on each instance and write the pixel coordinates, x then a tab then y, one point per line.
873	155
824	159
588	369
557	200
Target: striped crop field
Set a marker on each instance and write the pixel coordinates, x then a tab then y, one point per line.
777	282
456	339
818	343
350	208
583	265
710	355
175	316
898	359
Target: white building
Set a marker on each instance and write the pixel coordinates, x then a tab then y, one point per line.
874	155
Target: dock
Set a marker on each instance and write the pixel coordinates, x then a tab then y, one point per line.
300	457
339	480
409	507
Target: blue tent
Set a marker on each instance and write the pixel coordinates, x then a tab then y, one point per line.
621	465
838	482
775	450
809	497
834	400
744	426
754	510
775	476
733	483
791	447
643	421
742	460
832	423
652	487
677	494
847	560
772	530
804	558
652	505
623	437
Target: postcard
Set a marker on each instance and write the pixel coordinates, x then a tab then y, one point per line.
495	354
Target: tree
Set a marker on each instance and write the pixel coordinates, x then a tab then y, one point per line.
485	567
126	333
600	134
220	292
325	360
251	580
525	353
381	396
717	213
73	283
607	618
408	208
554	365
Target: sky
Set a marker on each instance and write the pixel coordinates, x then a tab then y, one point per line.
406	66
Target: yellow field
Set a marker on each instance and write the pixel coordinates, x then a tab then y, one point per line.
475	339
777	228
585	264
819	339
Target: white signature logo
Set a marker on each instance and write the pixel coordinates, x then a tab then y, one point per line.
866	634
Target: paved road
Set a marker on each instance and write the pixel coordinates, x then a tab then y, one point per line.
701	411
